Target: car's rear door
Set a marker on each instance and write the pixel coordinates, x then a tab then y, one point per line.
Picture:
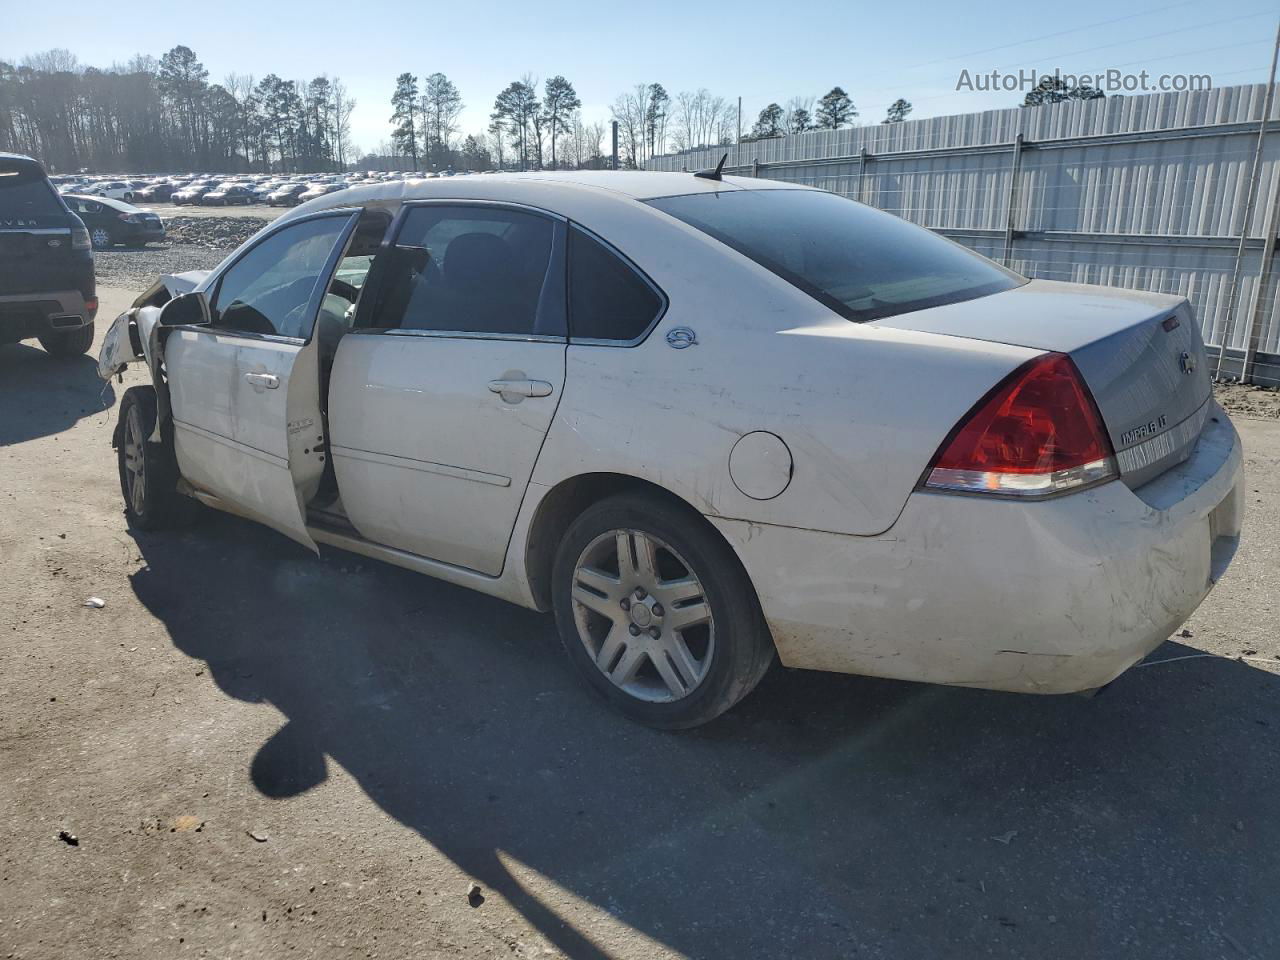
245	390
440	400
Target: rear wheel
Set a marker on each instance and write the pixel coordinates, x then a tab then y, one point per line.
68	343
657	613
148	470
101	238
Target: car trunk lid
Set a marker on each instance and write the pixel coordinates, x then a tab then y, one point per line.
1141	355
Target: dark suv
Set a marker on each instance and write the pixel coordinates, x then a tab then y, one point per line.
46	263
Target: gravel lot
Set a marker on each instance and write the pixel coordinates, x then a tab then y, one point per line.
261	753
199	238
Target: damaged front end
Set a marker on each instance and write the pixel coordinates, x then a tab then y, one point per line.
129	338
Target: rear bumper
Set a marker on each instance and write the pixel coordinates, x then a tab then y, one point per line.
29	315
1056	596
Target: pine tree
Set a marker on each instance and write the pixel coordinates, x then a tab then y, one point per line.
404	106
768	124
898	111
835	110
559	100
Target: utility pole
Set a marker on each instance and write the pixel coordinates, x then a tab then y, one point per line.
1229	324
739	140
615	144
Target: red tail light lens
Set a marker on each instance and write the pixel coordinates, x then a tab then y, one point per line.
1038	433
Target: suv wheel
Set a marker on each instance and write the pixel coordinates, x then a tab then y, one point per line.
148	471
101	237
68	343
657	613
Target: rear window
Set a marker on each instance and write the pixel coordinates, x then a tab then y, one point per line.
24	192
861	262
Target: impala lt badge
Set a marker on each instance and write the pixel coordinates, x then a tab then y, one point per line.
1144	430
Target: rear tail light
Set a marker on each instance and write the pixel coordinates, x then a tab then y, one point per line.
1036	434
80	238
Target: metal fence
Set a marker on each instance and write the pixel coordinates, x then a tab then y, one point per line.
1176	193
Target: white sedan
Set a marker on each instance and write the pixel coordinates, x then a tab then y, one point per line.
704	420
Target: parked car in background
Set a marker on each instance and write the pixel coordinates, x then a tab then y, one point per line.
263	190
155	192
227	195
315	190
287	196
114	189
47	287
190	194
704	420
113	221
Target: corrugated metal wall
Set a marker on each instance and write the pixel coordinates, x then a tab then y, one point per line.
1146	192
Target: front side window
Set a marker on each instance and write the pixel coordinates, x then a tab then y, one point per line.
270	288
861	262
473	269
608	299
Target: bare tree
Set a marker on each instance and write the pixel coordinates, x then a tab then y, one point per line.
632	111
702	120
343	106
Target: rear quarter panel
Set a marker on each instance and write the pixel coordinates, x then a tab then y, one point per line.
861	408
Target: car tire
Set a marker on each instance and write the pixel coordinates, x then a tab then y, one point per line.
101	238
682	643
148	471
127	198
68	343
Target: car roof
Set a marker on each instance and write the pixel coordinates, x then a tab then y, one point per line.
622	185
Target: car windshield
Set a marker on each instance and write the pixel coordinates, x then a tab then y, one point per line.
24	192
861	262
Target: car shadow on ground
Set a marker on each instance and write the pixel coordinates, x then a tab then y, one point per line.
42	395
825	816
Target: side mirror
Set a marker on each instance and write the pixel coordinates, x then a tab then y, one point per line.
190	309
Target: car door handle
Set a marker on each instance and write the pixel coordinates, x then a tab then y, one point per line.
521	388
268	380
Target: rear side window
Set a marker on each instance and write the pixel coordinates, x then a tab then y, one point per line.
861	262
24	192
474	269
608	298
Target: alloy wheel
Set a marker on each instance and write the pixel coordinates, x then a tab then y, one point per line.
135	461
100	237
643	616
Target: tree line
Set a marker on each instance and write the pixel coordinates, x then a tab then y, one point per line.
164	114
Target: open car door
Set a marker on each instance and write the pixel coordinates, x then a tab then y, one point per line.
259	361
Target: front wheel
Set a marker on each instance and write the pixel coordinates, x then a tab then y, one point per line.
148	470
68	343
657	613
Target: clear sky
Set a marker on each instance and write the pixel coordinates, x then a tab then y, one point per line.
760	51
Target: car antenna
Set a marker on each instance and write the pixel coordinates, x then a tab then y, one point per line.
713	174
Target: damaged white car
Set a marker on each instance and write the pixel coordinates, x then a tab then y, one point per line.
706	421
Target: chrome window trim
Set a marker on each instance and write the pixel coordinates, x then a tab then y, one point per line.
457	335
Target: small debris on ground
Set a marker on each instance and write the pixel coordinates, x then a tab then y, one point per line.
96	602
70	839
1006	838
1185	634
474	895
257	835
